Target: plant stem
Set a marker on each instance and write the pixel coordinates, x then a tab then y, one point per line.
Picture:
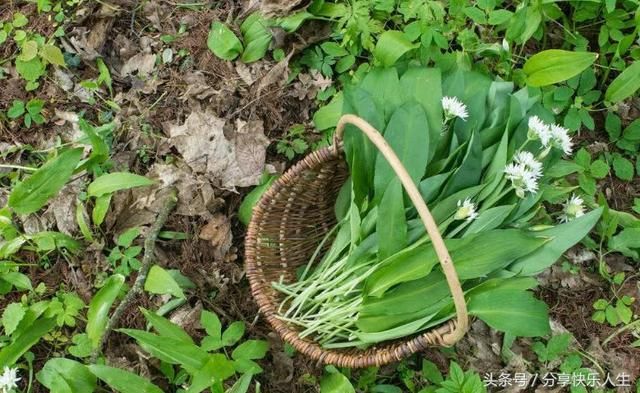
622	329
147	260
23	168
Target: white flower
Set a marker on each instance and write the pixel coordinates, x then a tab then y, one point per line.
572	208
527	159
454	108
466	210
539	130
524	173
560	138
9	379
530	182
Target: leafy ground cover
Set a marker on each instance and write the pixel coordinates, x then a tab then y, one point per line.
131	132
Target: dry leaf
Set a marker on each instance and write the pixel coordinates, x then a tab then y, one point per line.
277	75
142	63
320	81
63	208
228	163
218	232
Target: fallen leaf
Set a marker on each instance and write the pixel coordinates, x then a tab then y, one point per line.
281	7
63	208
142	63
320	81
197	87
232	162
277	75
218	232
244	72
63	79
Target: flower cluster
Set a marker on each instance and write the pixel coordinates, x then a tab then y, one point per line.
8	380
453	107
549	135
466	210
572	208
524	173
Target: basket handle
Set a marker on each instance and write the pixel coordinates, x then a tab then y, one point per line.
425	215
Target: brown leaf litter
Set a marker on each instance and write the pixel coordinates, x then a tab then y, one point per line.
218	232
228	161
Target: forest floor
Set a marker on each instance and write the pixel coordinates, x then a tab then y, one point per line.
175	102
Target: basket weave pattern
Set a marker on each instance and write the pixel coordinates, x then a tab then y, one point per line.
287	224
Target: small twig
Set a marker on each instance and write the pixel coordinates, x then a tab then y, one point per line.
621	330
147	259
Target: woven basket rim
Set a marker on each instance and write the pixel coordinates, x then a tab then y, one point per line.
377	355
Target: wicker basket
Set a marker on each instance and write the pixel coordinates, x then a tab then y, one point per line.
291	219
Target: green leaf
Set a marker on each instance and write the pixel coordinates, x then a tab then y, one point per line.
251	350
256	36
100	209
474	256
106	184
391	225
489	219
408	135
19	20
498	17
391	45
412	85
327	116
431	372
246	207
160	282
105	75
165	327
82	347
333	49
555	65
11	317
18	280
563	237
30	70
233	333
222	42
61	375
632	132
29	50
82	222
623	168
557	345
627	242
336	383
216	369
292	22
16	110
242	384
98	314
625	84
123	381
53	55
126	238
599	169
10	354
34	191
211	324
170	350
518	313
467	174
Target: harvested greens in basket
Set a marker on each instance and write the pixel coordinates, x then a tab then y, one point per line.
478	151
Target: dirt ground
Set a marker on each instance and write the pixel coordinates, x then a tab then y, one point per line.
155	100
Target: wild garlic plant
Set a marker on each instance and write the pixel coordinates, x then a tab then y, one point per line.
9	380
478	151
